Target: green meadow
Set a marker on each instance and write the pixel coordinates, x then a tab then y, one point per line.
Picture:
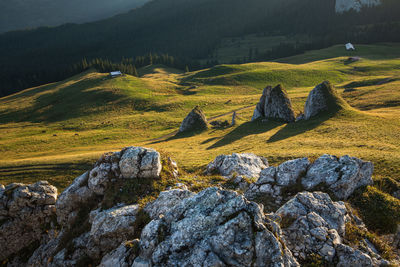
56	131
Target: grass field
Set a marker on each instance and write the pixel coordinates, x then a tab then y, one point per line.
56	131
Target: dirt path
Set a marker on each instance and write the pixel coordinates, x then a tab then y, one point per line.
209	119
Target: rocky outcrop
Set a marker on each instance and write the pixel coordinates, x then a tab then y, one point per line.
341	175
323	98
356	5
213	228
275	104
26	212
313	223
110	227
165	201
195	120
247	164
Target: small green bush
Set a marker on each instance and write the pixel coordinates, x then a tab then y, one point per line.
380	211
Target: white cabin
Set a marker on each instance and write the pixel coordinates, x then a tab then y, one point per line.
114	74
350	47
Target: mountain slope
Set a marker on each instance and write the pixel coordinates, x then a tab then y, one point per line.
189	29
23	14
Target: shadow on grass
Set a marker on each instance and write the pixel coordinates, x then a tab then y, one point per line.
293	129
59	175
246	129
175	136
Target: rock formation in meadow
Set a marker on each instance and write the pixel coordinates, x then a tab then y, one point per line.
323	98
195	120
275	104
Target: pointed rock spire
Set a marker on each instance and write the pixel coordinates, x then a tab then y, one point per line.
275	104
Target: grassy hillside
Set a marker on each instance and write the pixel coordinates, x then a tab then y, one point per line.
54	132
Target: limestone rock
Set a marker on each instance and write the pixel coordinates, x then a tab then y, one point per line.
342	176
352	257
322	98
314	224
165	201
213	228
111	227
247	164
122	256
342	6
275	104
139	162
24	210
195	120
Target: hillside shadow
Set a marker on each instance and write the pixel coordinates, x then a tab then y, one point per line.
246	129
81	98
293	129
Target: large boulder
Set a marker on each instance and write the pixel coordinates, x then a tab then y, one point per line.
246	164
323	97
275	104
26	212
139	162
195	120
213	228
341	175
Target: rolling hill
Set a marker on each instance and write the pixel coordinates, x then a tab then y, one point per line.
58	128
193	30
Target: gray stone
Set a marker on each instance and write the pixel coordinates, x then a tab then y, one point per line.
122	256
214	226
248	165
195	120
25	210
342	176
111	227
275	104
352	257
165	201
139	162
291	171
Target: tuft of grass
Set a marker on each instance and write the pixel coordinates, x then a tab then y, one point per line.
379	211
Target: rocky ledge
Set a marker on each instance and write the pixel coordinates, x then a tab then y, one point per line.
213	227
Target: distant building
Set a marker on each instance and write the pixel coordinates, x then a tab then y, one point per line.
350	47
114	74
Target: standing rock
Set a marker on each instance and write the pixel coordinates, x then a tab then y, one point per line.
275	104
323	97
233	123
195	120
25	211
213	228
247	164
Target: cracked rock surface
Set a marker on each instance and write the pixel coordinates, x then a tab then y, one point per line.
24	211
246	164
213	228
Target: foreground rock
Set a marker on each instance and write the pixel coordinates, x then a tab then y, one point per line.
247	164
87	229
322	98
275	104
313	224
195	120
213	228
340	176
25	211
